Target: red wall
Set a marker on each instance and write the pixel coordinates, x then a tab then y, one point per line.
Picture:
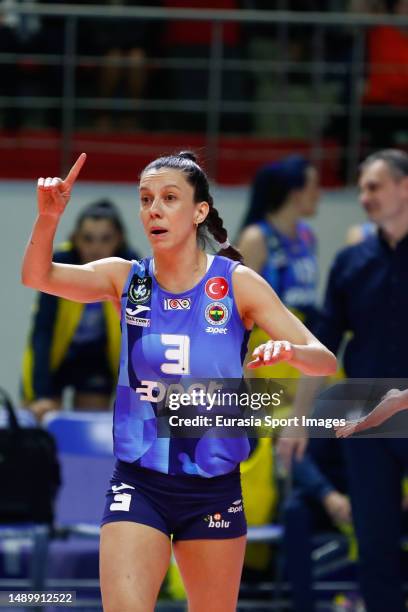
119	158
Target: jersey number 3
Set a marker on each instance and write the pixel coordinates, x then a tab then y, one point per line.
178	354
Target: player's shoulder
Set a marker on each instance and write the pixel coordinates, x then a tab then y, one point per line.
253	234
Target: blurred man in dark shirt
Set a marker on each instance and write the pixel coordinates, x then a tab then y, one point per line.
367	295
318	503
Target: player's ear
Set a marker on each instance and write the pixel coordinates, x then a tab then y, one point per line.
202	210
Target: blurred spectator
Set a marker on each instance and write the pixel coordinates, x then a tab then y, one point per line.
117	40
72	344
387	81
340	65
293	52
318	503
51	41
125	45
192	40
18	34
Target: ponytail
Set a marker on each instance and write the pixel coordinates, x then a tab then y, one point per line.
215	226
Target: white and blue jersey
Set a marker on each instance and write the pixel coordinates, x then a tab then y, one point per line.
166	337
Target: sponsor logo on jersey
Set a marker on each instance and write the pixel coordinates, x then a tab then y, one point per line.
133	312
215	521
177	304
140	290
216	288
132	318
236	506
216	330
137	321
216	313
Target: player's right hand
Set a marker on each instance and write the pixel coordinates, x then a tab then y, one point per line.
53	194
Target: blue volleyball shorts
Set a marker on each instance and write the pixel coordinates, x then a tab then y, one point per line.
184	507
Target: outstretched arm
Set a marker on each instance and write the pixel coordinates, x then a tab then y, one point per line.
393	401
290	340
99	280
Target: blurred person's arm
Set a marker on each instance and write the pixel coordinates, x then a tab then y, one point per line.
309	478
338	506
42	406
393	401
312	482
330	327
92	282
293	440
253	248
36	375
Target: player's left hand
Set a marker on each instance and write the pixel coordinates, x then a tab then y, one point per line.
270	353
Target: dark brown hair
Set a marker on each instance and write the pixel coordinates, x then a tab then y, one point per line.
186	162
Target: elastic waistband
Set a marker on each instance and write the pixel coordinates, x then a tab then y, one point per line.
135	473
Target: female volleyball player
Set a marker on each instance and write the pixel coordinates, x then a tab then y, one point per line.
184	314
276	242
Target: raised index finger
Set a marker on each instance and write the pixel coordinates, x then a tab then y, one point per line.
75	170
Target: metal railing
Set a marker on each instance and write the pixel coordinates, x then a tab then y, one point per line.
215	105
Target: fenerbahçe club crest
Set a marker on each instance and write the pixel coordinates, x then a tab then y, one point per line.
216	313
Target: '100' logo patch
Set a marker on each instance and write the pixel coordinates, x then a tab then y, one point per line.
177	304
216	313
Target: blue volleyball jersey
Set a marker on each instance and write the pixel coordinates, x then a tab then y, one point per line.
291	266
197	334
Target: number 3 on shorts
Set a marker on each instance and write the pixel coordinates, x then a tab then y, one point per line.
178	355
